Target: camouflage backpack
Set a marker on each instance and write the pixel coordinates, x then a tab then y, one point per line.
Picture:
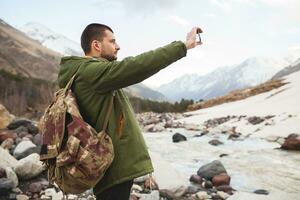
75	154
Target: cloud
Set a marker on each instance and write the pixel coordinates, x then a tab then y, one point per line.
210	15
178	20
223	5
286	8
142	7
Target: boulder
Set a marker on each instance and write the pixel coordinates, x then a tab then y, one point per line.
225	188
2	173
154	195
25	123
22	197
202	195
221	179
223	195
292	142
5	186
212	169
35	187
215	142
10	174
29	167
196	179
7	144
6	160
154	128
150	183
255	120
175	193
5	134
177	137
191	127
261	191
24	149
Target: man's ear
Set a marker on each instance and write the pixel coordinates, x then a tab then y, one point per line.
96	45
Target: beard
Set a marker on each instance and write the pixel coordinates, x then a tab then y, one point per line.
109	57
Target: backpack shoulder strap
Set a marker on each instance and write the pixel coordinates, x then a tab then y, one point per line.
106	119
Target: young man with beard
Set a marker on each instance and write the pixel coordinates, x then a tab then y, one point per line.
100	75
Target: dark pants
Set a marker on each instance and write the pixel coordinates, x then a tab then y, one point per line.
117	192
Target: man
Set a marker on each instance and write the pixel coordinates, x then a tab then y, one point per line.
98	75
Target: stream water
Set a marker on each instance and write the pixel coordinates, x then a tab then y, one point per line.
252	163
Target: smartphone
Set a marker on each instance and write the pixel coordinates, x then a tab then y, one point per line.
198	32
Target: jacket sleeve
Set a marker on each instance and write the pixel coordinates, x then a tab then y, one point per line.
104	76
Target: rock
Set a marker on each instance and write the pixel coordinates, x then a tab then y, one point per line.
29	136
202	195
37	139
225	188
261	191
154	195
207	184
215	196
151	184
223	195
221	179
136	188
196	179
174	193
5	134
210	170
191	189
16	190
35	187
7	144
24	149
154	128
133	197
12	196
215	142
191	127
50	192
5	117
141	179
292	142
255	120
2	173
234	136
22	197
11	175
21	129
223	155
6	160
29	166
177	137
29	125
5	186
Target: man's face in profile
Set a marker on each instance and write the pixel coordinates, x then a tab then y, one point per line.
109	47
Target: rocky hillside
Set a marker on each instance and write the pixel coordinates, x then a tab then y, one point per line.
288	70
238	94
27	71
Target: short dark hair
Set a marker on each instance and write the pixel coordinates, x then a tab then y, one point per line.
92	32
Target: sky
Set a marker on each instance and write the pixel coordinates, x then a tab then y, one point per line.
233	30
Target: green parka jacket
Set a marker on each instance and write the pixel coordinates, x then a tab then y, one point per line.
96	79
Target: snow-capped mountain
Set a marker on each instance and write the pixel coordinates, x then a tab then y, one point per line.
51	40
251	72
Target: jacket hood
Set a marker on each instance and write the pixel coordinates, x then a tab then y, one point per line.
68	67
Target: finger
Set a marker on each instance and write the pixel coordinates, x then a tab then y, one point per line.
198	43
